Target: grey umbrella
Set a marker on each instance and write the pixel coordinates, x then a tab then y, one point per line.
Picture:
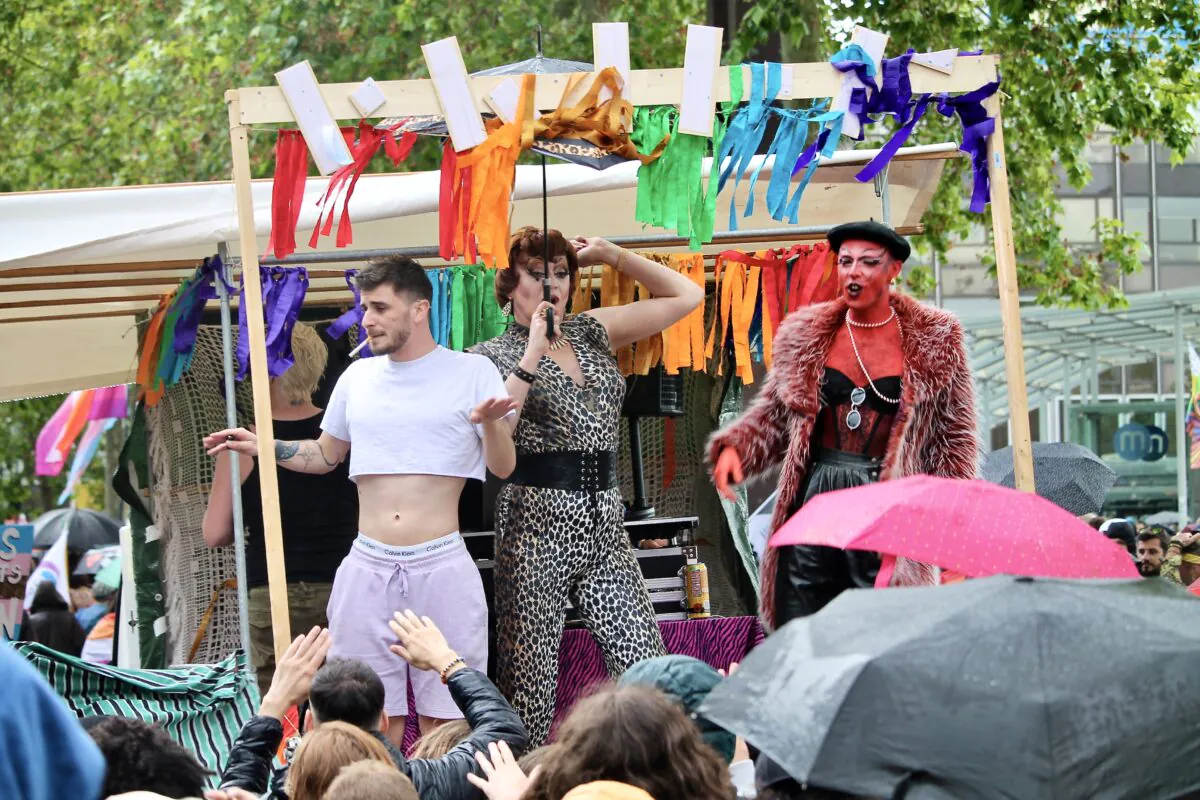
85	528
1070	476
995	688
1164	518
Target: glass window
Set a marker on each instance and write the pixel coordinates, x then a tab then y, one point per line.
1137	217
1078	219
1110	381
1141	378
1136	153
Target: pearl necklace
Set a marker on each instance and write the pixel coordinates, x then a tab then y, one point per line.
850	330
891	317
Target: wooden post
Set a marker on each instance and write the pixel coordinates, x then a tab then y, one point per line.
268	481
1010	304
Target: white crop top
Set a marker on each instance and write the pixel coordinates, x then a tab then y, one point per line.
413	417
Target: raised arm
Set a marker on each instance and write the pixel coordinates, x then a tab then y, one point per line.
314	456
217	526
674	295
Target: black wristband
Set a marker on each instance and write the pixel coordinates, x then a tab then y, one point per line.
521	374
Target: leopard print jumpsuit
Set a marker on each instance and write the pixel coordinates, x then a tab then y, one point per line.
552	544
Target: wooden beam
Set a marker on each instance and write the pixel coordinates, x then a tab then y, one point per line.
99	269
1010	305
266	105
84	315
268	480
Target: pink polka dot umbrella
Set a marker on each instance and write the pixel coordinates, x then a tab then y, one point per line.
974	528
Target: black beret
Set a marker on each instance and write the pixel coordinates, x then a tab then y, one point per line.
871	231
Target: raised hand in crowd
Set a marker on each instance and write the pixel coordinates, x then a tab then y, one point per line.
505	780
423	645
294	672
231	793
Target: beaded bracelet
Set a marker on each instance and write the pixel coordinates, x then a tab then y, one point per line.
450	666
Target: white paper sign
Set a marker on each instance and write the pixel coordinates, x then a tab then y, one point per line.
942	60
504	100
453	87
367	97
313	117
610	48
701	62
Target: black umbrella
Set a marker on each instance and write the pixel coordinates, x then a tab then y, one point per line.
1070	476
995	688
87	529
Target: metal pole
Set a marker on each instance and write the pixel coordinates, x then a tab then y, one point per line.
937	280
1154	275
1066	401
1181	440
640	240
1152	157
235	473
884	195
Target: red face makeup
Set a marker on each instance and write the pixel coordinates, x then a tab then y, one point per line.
864	271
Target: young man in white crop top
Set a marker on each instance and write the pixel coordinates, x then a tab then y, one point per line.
421	419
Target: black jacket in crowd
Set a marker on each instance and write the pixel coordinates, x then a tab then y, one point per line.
490	716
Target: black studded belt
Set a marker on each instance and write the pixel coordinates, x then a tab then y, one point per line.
569	470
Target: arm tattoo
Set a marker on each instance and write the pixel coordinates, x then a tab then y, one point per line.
285	450
305	451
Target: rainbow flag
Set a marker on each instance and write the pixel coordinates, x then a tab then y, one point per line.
1192	423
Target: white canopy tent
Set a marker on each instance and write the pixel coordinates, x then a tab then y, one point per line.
78	266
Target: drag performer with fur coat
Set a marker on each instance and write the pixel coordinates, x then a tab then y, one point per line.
871	386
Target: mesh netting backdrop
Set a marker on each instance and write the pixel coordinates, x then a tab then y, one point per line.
182	474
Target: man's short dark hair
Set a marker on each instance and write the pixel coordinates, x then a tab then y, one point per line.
142	757
347	690
1154	536
402	273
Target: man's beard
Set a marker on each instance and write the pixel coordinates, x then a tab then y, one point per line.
394	342
1148	571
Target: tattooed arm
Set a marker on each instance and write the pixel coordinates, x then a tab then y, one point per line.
314	456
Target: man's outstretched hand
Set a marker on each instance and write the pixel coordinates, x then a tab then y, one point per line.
493	409
421	643
294	672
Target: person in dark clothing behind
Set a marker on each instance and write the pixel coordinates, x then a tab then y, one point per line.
319	513
51	622
346	690
142	758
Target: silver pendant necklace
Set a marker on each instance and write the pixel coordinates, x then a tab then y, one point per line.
858	395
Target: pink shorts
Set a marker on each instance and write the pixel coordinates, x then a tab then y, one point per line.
436	579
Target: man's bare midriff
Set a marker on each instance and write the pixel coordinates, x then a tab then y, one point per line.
408	509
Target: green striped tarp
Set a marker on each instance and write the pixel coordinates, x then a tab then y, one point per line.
202	707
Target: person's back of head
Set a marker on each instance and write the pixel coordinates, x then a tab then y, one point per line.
442	739
47	598
371	780
300	381
347	690
687	681
142	757
535	758
633	735
1120	531
323	752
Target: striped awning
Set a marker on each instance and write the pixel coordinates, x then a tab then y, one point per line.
202	707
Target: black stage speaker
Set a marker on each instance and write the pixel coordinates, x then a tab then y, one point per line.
656	394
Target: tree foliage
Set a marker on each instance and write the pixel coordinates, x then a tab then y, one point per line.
1069	69
132	92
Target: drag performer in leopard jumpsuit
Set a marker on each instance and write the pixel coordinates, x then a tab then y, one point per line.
560	522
